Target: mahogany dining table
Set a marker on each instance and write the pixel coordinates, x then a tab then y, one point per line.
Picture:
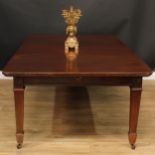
102	60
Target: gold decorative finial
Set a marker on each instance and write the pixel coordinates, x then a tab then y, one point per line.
72	17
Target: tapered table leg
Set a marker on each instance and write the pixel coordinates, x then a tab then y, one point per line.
19	110
135	97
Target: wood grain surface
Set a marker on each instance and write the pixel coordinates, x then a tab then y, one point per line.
82	121
43	55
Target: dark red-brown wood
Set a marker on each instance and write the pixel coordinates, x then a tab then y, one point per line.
19	109
100	56
103	60
135	96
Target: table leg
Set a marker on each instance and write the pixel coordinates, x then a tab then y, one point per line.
19	110
135	97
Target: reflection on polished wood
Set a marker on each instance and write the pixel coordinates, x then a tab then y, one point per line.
100	56
71	65
92	124
105	61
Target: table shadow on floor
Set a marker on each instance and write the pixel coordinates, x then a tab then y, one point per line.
72	112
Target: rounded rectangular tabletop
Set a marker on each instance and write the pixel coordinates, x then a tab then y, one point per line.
99	56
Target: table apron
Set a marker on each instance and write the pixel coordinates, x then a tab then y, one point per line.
81	81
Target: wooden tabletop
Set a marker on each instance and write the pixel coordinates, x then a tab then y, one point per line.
100	56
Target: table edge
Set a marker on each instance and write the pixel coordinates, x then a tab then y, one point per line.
73	74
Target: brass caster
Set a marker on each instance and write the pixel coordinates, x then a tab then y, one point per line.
133	147
19	146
